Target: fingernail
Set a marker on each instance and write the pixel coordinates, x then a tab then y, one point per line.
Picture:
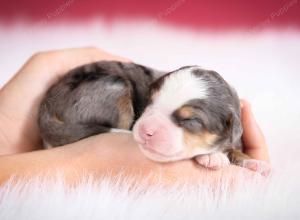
245	104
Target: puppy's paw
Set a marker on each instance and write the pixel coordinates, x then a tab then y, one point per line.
213	161
259	166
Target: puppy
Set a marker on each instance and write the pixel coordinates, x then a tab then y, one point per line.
192	112
187	113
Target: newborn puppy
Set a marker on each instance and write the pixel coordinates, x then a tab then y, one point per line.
190	112
193	112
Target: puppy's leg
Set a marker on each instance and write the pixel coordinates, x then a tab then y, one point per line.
239	158
214	161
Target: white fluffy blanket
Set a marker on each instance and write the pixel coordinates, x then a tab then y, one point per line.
115	198
264	68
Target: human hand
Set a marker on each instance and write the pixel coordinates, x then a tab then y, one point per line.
21	96
254	141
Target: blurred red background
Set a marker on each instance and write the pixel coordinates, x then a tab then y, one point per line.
197	13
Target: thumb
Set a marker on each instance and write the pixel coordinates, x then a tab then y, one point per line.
253	139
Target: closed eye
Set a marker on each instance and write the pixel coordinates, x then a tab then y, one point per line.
191	124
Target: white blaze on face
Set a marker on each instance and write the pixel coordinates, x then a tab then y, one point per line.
179	88
165	137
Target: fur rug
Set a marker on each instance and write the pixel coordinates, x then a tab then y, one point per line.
263	67
115	198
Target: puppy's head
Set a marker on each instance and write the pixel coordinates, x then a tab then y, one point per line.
191	111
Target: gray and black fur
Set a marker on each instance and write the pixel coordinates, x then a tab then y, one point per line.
94	98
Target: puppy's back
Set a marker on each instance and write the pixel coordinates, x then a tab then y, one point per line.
92	99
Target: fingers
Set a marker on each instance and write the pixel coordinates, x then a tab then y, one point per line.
253	139
57	63
44	68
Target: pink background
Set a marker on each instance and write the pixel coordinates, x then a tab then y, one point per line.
210	14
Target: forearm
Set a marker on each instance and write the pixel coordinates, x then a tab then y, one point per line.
69	160
105	154
99	156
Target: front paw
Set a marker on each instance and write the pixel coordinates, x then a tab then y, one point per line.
213	161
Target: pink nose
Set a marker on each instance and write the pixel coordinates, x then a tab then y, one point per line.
147	131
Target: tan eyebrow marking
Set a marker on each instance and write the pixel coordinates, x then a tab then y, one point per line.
186	112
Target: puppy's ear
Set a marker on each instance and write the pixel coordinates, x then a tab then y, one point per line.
234	126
